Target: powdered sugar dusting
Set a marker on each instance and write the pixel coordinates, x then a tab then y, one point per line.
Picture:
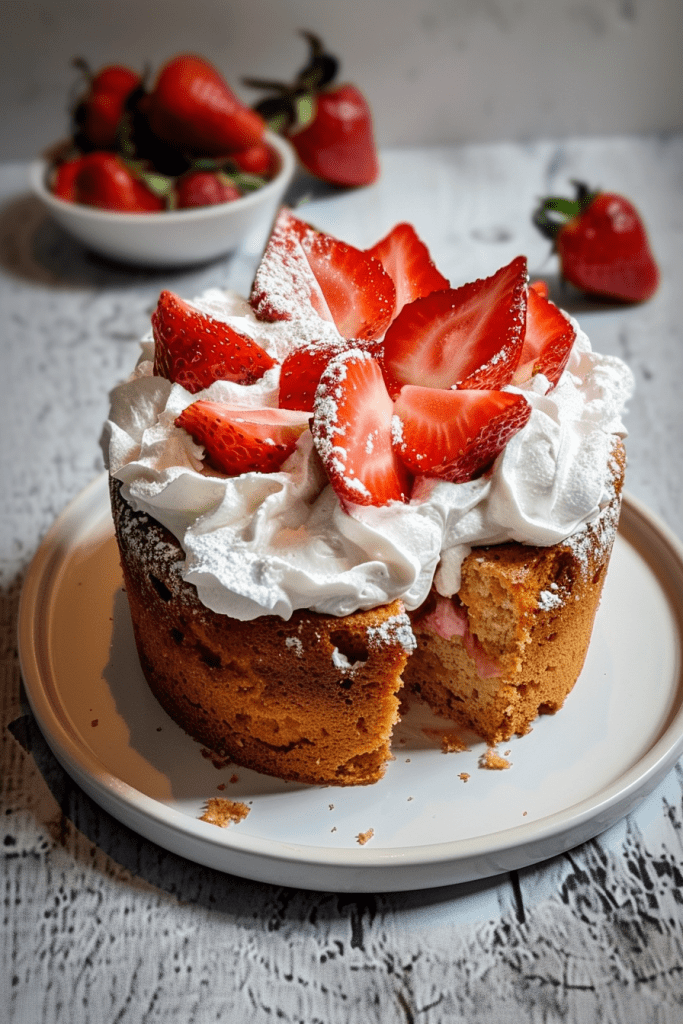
549	600
272	543
396	629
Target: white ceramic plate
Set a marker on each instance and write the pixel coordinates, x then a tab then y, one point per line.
437	818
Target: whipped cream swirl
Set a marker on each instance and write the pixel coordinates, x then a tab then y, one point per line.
261	544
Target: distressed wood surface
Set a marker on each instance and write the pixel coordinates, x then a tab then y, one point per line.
100	925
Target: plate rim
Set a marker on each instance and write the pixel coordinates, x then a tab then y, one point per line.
368	869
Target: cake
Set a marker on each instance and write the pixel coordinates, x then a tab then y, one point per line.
357	487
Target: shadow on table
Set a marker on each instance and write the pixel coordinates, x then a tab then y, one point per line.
84	822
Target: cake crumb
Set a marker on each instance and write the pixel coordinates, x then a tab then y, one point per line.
363	837
464	776
333	829
221	786
217	760
95	722
234	778
492	761
451	742
222	812
331	806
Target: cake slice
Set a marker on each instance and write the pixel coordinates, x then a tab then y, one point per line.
310	699
511	644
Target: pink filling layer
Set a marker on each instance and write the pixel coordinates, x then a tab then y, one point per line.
448	620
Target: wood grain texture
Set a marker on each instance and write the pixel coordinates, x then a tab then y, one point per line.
100	926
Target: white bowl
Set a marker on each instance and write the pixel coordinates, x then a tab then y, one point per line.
171	238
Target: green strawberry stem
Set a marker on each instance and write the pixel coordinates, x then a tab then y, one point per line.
290	107
554	212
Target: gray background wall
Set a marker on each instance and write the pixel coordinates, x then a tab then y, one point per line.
435	71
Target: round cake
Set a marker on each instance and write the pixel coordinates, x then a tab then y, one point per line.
359	484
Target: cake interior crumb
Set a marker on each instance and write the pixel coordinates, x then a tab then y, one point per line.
451	742
222	812
492	761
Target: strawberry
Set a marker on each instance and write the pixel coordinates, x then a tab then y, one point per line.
284	282
468	337
257	159
338	144
99	112
303	269
602	244
204	188
548	340
241	440
64	180
408	263
301	372
358	294
330	126
193	349
455	435
101	179
352	432
192	108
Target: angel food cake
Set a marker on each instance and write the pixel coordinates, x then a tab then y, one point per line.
359	484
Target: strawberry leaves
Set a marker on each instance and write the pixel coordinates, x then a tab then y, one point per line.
601	243
329	125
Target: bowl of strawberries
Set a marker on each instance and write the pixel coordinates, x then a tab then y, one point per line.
172	173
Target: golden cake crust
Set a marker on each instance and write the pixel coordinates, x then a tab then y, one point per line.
311	699
314	699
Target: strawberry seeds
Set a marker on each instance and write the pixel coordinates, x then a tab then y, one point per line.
397	375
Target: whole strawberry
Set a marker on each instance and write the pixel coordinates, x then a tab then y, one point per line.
204	188
101	179
601	242
330	126
192	108
99	111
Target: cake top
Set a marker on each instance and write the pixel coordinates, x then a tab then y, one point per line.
345	436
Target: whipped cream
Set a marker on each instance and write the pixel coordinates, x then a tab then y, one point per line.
263	544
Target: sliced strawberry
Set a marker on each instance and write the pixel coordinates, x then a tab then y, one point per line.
302	369
407	261
455	435
304	269
284	283
359	295
547	343
243	440
193	349
301	372
469	337
352	432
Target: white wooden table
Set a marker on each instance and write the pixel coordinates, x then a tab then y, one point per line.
100	925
